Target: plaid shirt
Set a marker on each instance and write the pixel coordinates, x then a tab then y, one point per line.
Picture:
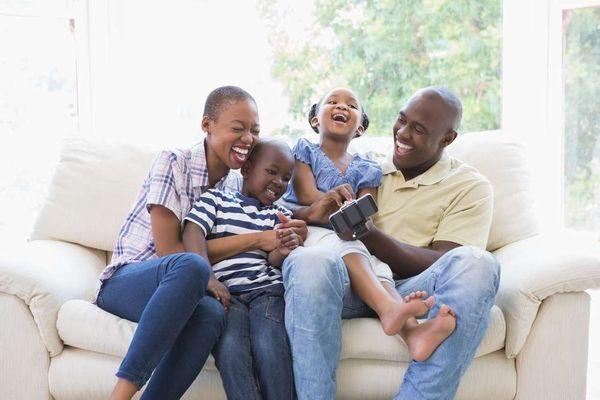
176	181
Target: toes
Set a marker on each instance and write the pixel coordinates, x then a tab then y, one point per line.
430	301
445	309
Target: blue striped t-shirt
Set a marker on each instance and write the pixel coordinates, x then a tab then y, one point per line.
220	214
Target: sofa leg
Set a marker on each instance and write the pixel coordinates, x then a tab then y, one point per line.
24	359
553	363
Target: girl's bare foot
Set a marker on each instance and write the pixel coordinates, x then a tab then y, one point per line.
423	339
395	315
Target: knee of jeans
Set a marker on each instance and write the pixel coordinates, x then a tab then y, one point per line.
482	269
192	268
213	313
315	270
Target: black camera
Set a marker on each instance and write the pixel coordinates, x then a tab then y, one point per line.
352	216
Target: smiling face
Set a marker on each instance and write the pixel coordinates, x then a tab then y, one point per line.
233	134
268	172
340	114
425	126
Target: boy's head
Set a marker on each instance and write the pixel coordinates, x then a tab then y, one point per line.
268	171
231	124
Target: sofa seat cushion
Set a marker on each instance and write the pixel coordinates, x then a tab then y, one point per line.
83	325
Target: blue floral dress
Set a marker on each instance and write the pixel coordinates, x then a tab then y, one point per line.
361	173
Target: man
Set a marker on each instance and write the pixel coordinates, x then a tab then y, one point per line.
432	227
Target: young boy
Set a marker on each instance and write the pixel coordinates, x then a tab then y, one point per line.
254	342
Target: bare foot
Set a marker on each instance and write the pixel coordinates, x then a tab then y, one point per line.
394	317
423	339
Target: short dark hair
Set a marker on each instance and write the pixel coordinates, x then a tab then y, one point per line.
221	96
271	143
314	109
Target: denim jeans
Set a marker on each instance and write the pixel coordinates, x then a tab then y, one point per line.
318	294
177	325
253	354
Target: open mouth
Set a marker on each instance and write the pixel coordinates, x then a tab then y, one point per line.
271	193
338	117
240	153
403	149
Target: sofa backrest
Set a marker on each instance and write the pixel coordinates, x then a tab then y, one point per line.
95	184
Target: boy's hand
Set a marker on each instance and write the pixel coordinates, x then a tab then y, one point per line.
289	241
219	291
297	225
269	240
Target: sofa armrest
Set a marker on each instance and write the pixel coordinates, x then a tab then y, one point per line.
536	268
45	274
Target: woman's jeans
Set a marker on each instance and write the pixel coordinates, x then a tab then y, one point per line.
253	354
177	325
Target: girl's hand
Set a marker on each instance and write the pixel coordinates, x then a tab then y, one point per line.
219	291
329	203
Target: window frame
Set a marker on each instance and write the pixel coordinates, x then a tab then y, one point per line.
533	95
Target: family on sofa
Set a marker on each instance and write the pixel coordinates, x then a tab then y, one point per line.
209	260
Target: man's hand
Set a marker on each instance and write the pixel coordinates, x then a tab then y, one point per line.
219	291
330	202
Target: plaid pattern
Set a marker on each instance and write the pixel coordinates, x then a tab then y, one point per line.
176	181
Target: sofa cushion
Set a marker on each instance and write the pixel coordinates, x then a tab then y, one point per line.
86	326
93	187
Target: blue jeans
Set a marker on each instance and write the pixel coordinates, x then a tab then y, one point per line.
177	325
318	294
255	344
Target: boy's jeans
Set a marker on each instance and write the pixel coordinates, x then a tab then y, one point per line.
255	344
318	293
178	326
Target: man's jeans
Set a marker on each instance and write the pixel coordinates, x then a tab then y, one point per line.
255	344
178	326
318	293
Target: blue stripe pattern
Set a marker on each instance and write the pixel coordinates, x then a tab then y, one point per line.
220	214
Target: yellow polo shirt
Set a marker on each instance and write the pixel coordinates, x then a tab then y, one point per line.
451	201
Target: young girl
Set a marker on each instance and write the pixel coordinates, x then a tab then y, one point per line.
152	280
327	168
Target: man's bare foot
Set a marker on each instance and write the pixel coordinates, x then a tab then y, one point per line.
395	315
423	339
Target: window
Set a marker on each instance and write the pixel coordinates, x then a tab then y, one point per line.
581	63
38	103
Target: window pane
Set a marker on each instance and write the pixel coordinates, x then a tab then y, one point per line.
38	107
581	29
385	50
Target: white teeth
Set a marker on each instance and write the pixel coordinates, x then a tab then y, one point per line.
403	146
343	117
270	192
240	150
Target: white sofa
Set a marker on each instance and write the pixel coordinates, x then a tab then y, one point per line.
55	344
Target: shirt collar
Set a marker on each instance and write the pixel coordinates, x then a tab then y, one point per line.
433	175
199	167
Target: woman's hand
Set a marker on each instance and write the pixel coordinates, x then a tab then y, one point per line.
219	291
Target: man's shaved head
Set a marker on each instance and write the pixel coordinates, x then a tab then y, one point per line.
450	99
